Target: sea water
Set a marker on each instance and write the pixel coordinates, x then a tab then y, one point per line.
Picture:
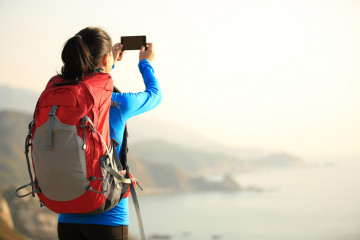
307	203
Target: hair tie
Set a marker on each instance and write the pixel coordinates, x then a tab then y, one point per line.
79	36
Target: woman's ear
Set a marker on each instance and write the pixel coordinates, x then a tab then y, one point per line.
107	62
106	59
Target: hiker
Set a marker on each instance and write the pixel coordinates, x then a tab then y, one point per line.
113	224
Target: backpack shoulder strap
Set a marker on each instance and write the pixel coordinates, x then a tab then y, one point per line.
124	149
123	156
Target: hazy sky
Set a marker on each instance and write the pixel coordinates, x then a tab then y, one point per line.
278	75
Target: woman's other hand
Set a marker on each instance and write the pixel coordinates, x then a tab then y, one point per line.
147	53
117	52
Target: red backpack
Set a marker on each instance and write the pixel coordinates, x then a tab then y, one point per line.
76	167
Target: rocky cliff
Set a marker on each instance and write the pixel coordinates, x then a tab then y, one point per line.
31	220
5	215
7	230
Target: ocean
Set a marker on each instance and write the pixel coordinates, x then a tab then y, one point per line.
316	202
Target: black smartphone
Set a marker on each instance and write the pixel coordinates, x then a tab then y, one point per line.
133	42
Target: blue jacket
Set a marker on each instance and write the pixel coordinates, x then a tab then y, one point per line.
128	105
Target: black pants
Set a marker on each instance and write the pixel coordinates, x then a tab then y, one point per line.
70	231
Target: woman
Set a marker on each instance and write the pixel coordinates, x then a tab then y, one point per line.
113	224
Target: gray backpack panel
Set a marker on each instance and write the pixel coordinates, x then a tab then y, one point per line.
61	171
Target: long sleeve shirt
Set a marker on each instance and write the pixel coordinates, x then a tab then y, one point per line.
127	105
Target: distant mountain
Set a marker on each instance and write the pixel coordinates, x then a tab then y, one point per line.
278	160
141	128
194	162
197	162
13	167
152	141
18	99
25	101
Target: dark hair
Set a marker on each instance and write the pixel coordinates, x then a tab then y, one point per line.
83	52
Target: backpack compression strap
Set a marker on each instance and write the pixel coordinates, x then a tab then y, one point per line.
123	157
33	184
137	209
124	150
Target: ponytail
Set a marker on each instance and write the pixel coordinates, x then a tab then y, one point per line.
83	52
77	60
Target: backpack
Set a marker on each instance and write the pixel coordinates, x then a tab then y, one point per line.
76	167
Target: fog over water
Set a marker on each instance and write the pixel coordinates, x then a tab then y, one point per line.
312	203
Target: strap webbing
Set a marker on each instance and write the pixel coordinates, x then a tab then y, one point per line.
138	213
32	184
50	127
116	159
116	174
27	146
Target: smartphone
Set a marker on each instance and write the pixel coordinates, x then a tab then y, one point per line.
133	42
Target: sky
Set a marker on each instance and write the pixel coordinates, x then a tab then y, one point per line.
276	75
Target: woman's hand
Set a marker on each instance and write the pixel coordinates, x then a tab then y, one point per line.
117	52
148	53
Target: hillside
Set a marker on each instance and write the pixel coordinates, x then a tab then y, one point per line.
21	100
160	166
39	223
194	162
162	131
7	233
145	158
197	162
153	174
13	129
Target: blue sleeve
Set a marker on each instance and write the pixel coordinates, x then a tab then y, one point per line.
132	104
